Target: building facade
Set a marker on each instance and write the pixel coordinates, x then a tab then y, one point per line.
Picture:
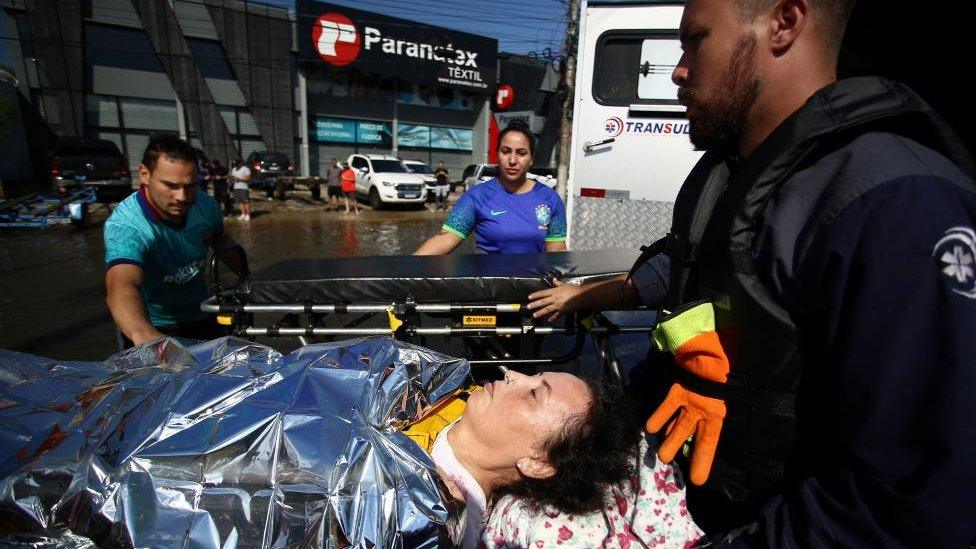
237	76
379	84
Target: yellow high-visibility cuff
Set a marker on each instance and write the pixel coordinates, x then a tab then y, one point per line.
675	332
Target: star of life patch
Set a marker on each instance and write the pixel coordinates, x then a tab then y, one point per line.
956	253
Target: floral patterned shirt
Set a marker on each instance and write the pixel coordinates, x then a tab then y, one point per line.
649	510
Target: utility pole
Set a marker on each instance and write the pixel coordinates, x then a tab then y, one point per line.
568	81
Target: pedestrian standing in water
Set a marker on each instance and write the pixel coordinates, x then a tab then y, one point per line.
442	188
349	188
241	176
221	189
333	184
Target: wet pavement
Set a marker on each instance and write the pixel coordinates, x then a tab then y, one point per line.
52	301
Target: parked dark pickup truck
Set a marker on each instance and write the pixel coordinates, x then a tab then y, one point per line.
93	163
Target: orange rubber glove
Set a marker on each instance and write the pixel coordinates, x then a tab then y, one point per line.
692	338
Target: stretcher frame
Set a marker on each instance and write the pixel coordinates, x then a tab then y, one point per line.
43	210
304	322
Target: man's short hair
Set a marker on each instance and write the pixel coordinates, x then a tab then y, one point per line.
170	146
831	15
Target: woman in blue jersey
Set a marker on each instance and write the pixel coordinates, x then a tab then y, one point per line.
509	214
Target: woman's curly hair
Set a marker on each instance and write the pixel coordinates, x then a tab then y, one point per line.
592	451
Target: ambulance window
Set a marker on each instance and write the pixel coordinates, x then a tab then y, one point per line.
635	67
615	70
657	62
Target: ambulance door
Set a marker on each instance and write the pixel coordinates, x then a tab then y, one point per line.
630	135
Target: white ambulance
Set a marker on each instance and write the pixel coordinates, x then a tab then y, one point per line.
630	150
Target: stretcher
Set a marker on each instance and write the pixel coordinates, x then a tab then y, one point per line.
41	210
478	298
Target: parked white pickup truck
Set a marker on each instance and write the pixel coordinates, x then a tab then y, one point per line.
386	180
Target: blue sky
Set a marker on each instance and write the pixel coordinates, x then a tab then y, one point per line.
520	27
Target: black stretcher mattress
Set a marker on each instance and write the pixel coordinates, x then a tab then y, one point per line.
472	278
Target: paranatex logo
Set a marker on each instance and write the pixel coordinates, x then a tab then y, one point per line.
615	127
336	39
339	42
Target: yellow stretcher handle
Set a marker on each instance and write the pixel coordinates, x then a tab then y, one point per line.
395	322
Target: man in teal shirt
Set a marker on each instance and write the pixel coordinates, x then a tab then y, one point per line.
156	244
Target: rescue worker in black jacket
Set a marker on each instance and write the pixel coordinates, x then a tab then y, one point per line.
828	237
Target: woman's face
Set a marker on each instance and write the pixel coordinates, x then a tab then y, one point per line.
514	157
514	417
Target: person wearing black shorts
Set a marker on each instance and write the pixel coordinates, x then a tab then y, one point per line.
333	183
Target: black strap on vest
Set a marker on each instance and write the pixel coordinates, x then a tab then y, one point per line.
683	251
734	390
647	252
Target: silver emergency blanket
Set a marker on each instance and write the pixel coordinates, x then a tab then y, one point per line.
224	444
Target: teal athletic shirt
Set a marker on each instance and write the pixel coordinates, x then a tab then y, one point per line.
172	256
508	223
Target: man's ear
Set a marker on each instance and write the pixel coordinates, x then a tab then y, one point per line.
535	468
143	174
787	21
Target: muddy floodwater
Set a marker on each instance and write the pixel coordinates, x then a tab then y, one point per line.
52	281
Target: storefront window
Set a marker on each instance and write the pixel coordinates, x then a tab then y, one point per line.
209	56
432	96
371	133
352	86
247	146
455	139
102	112
129	123
111	46
149	114
229	114
247	125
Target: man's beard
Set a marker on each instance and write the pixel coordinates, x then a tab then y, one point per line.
719	125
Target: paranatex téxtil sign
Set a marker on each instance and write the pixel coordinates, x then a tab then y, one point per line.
345	38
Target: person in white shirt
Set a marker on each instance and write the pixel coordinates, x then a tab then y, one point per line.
241	176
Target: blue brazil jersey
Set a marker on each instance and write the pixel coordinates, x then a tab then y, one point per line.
508	223
172	256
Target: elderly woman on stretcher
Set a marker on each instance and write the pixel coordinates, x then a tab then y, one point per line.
230	444
556	457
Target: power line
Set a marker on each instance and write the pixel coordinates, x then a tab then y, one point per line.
515	37
399	7
485	3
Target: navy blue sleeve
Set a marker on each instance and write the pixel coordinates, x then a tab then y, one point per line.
889	409
651	280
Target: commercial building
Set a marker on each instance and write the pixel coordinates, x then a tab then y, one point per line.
527	91
378	84
235	76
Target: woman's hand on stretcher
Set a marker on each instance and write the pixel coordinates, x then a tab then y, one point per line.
556	301
563	298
